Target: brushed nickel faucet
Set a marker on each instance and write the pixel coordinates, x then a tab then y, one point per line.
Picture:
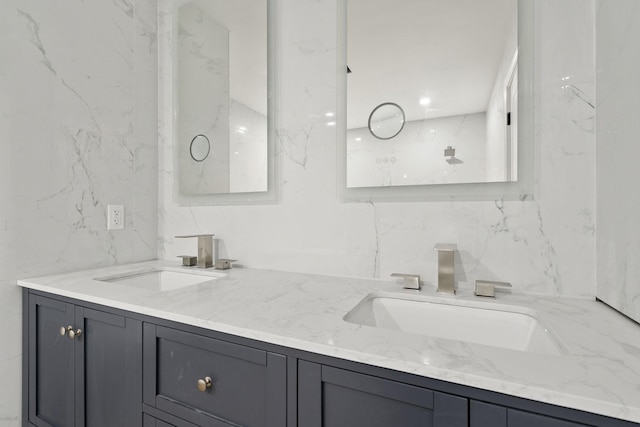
487	288
409	281
446	252
205	250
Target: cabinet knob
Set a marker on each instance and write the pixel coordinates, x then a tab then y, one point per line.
75	334
204	384
63	330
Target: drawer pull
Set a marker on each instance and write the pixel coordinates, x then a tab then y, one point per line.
75	334
63	330
204	384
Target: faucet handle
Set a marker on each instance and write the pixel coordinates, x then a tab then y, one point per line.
487	288
410	281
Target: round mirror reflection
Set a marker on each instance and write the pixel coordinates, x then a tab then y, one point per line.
199	148
386	120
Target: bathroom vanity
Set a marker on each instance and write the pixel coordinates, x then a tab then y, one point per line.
154	345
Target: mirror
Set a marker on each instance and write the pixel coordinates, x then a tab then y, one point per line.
199	148
220	97
453	67
386	121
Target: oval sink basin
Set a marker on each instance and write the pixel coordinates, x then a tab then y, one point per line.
495	325
160	280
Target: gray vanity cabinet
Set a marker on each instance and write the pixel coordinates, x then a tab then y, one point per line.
83	366
213	383
93	366
332	397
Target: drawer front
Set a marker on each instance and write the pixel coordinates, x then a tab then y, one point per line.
151	421
238	385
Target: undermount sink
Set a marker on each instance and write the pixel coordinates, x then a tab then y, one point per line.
161	279
509	327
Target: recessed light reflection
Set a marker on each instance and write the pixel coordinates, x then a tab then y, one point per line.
329	114
425	101
358	139
331	123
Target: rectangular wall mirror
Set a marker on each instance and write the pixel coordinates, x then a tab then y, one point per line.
220	75
434	100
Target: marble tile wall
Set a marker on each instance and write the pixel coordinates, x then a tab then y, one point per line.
78	130
546	245
618	203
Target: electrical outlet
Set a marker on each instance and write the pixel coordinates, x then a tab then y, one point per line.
115	217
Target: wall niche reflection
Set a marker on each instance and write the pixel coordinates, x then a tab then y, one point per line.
452	67
220	95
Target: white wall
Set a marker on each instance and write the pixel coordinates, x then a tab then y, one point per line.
78	130
416	155
618	148
546	245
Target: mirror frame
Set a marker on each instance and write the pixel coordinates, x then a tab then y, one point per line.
516	190
167	91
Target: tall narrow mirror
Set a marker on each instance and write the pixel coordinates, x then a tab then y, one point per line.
452	66
220	96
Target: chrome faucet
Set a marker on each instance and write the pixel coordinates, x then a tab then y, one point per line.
446	252
205	249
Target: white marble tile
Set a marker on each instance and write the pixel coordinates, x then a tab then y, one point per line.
618	206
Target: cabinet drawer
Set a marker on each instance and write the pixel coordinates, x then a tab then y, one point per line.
241	385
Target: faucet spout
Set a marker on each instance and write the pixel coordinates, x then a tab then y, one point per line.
446	282
205	249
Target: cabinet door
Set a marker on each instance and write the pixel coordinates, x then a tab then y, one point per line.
50	364
108	356
484	414
526	419
331	397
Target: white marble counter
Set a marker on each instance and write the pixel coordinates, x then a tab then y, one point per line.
600	372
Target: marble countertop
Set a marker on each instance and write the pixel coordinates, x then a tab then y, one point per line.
599	373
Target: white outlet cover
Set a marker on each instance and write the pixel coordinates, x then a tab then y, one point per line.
115	217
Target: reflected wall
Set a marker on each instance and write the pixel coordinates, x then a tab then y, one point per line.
219	76
618	204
